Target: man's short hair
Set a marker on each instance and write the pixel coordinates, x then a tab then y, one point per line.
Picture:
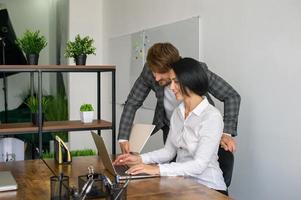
160	57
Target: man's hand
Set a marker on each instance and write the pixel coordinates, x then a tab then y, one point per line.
125	147
228	143
143	168
128	159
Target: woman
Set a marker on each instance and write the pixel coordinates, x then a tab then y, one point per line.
195	131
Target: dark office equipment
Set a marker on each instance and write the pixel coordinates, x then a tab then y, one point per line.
10	53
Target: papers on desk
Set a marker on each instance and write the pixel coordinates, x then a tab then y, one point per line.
7	181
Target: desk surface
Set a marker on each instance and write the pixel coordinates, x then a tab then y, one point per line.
32	177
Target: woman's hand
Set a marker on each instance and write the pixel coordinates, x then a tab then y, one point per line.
144	168
128	159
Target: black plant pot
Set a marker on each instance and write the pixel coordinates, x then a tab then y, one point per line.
80	59
32	59
35	118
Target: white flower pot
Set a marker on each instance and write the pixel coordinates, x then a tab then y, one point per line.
87	116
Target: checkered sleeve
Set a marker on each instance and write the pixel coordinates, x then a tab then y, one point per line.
224	92
135	99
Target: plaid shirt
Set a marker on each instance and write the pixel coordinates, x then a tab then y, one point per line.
218	87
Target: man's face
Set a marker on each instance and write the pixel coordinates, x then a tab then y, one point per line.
162	78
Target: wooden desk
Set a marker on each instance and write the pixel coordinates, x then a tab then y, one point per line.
32	177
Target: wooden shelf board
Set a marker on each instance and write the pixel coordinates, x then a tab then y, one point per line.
53	126
56	68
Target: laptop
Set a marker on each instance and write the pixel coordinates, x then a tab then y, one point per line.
115	170
139	136
7	181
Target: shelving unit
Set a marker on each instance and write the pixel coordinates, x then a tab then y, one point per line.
75	125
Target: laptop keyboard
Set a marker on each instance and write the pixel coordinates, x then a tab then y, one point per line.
121	169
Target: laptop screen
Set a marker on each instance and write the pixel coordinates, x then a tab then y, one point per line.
139	136
104	154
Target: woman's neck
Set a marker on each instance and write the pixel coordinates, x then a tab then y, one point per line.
191	102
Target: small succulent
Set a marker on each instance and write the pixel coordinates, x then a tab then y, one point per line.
86	107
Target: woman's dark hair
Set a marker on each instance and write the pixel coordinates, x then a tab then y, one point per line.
191	76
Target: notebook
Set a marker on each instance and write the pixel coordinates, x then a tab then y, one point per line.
7	181
115	170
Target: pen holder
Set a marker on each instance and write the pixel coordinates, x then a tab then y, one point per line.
117	192
98	189
59	189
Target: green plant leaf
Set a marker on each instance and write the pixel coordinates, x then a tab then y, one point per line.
33	103
75	153
32	42
80	46
86	107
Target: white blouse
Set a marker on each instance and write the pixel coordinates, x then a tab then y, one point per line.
195	141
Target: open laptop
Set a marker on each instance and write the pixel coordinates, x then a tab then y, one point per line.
7	181
115	170
139	136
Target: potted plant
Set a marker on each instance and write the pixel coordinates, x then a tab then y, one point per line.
33	104
32	44
79	49
86	113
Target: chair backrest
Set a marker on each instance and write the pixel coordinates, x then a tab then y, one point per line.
226	163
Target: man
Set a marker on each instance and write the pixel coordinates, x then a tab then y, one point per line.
155	76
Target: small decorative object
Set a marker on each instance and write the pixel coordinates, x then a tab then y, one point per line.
62	154
33	104
79	49
32	44
86	113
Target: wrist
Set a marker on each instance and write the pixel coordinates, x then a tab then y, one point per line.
140	161
227	134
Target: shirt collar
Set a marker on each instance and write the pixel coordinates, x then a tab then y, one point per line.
198	109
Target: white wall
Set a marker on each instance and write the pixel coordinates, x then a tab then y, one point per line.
85	18
254	45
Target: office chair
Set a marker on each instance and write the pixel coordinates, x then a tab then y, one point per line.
226	163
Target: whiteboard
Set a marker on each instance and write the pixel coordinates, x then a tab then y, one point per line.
129	52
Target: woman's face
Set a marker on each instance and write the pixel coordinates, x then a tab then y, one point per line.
175	86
